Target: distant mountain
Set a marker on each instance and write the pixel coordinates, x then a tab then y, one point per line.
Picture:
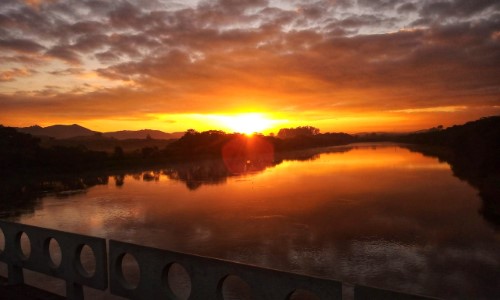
58	131
143	134
77	131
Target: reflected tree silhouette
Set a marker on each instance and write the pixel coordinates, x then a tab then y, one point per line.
194	175
119	180
481	178
472	150
241	159
22	194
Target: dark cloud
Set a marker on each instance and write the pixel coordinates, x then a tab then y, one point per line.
233	6
26	21
87	27
457	8
64	53
361	20
69	71
126	15
21	45
107	57
379	4
407	8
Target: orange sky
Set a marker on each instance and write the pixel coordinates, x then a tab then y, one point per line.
339	65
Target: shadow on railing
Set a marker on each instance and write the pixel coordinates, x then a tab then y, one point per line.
160	274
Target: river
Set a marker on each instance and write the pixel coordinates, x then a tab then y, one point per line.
374	214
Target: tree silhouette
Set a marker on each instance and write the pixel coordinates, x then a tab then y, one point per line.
118	153
287	133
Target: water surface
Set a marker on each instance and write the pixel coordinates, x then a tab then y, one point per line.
378	215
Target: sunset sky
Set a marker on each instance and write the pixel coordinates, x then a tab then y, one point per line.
339	65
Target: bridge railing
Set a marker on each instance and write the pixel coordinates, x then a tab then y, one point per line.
37	257
159	272
207	277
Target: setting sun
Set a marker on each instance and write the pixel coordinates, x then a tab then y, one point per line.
247	123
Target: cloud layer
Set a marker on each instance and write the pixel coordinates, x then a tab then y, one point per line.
83	59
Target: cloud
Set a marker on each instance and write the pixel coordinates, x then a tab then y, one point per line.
382	55
234	6
444	60
379	4
407	8
457	8
86	27
107	57
14	73
64	53
69	71
21	45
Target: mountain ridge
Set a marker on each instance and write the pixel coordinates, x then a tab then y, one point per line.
143	134
58	131
75	131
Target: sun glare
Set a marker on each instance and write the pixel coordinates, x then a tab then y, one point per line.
246	123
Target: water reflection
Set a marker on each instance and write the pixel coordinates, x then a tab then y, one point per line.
22	195
377	215
480	176
194	175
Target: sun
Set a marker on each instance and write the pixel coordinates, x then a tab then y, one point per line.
246	123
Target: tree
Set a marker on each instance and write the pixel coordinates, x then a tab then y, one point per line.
118	152
191	132
287	133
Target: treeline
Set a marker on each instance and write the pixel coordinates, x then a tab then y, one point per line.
21	151
211	143
475	143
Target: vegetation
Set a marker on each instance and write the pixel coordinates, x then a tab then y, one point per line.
471	149
23	152
478	142
301	131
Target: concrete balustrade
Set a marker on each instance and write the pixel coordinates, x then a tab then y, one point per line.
38	258
370	293
195	277
207	276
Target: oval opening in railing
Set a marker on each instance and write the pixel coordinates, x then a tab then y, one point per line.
177	280
86	261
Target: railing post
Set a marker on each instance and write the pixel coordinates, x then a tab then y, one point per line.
74	291
16	275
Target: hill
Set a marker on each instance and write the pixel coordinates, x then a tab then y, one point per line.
76	131
58	131
100	142
143	134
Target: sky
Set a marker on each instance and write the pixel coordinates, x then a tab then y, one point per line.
339	65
